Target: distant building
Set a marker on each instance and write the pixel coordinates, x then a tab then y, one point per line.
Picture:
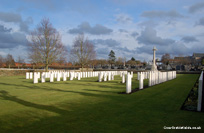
186	63
182	60
61	64
197	58
18	64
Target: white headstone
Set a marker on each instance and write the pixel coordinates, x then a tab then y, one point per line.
200	92
27	75
109	76
79	76
43	77
71	76
132	74
141	80
123	77
31	75
150	78
58	76
100	77
55	74
38	74
105	76
138	75
128	83
112	76
67	74
51	77
35	78
64	76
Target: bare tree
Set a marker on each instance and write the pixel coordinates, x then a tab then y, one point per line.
185	60
131	63
119	61
124	61
20	60
93	63
62	60
82	51
102	62
9	61
165	58
1	61
45	46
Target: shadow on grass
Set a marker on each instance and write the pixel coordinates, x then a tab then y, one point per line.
62	123
21	78
108	85
99	91
45	88
124	114
6	96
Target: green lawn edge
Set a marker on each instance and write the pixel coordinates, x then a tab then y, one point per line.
90	106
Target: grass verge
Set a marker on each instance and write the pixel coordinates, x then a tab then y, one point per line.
90	106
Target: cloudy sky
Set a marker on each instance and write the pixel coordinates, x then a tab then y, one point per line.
128	27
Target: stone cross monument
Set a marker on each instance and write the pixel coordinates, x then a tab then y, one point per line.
154	66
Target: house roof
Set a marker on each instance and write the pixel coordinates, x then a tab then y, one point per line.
198	54
180	58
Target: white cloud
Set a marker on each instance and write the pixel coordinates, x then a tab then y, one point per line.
196	7
200	22
124	18
10	17
149	37
3	53
161	14
189	39
86	28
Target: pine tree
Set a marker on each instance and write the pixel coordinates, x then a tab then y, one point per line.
112	57
133	59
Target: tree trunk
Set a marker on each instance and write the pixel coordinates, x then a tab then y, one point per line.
46	65
46	68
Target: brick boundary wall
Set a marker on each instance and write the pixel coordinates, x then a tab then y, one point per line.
22	72
13	72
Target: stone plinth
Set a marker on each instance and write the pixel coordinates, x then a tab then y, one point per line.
154	66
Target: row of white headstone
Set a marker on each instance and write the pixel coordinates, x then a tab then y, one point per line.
109	75
155	77
200	92
103	77
58	75
64	74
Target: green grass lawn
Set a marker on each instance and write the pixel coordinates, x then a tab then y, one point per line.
90	106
